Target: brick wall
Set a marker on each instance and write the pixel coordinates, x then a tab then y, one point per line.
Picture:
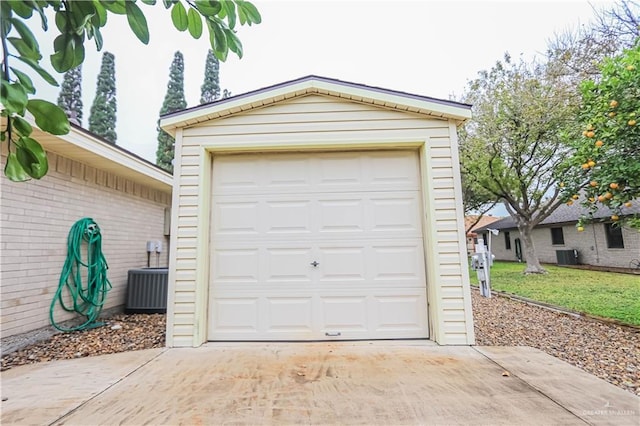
591	245
36	217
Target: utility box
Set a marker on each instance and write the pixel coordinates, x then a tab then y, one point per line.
567	257
147	290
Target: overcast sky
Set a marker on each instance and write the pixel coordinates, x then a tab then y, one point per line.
423	47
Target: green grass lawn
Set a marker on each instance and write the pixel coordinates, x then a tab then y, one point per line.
605	294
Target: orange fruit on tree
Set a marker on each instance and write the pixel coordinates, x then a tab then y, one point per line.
593	183
627	204
631	122
613	185
570	202
590	134
614	217
608	195
599	143
580	228
584	133
612	114
630	68
591	163
601	198
561	184
613	103
575	196
593	200
585	166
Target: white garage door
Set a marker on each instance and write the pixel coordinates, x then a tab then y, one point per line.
317	246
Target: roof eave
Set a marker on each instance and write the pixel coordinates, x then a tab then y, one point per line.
316	85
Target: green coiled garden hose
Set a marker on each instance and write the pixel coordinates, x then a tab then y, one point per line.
84	239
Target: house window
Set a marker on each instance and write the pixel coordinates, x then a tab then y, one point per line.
507	241
614	235
557	236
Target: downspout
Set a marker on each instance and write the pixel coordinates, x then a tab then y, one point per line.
595	242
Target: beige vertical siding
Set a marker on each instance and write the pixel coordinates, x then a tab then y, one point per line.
36	217
315	122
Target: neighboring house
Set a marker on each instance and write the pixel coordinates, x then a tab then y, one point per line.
600	244
318	209
88	177
472	236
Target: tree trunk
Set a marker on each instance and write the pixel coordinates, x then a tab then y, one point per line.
529	251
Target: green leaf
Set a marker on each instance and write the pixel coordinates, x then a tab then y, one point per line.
13	97
218	40
208	8
253	16
118	7
24	49
5	18
137	22
32	157
100	18
45	75
149	2
179	17
21	125
49	117
26	35
24	80
234	43
43	17
81	13
20	8
69	52
230	8
195	23
98	38
13	170
168	3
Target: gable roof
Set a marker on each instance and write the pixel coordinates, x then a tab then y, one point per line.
484	221
85	147
564	214
312	84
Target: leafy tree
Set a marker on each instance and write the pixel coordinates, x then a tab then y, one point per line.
76	22
512	148
605	165
102	120
210	89
70	98
173	101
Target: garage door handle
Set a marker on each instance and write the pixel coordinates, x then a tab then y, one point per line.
333	334
314	264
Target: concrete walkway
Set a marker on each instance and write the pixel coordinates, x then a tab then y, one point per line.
406	382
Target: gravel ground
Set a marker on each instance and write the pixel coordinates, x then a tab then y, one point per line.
608	351
121	333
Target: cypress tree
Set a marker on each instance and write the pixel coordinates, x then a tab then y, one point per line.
70	97
210	89
173	101
102	120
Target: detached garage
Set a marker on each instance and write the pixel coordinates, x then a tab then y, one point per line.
318	209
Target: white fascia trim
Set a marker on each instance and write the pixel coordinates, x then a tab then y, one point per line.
99	148
169	124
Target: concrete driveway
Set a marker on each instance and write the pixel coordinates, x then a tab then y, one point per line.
407	382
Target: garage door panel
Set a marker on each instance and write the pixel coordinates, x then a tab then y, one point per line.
290	217
236	315
395	213
288	264
394	168
342	264
236	218
342	314
236	265
405	312
289	314
341	215
287	172
398	262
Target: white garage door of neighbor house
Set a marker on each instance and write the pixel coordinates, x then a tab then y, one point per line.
318	246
